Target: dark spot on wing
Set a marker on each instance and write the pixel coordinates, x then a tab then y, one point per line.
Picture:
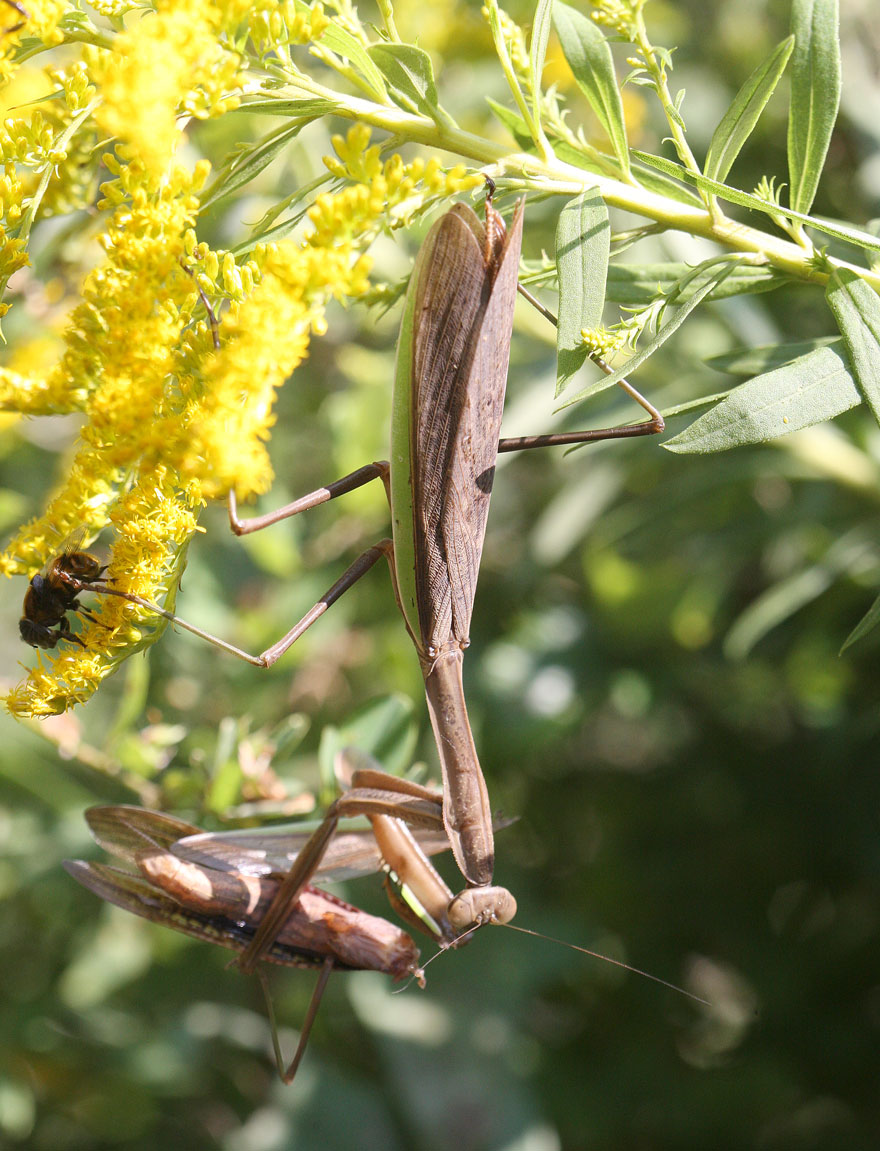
486	479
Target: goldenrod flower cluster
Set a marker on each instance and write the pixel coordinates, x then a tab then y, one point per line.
49	164
397	188
170	63
605	342
38	18
621	16
175	355
273	25
120	355
174	352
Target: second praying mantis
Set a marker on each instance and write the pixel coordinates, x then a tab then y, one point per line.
219	887
450	383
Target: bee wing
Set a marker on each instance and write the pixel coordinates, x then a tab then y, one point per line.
74	541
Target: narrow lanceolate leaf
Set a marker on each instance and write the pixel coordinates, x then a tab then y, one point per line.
583	237
308	108
636	285
589	57
781	600
741	117
409	71
815	96
856	308
808	391
662	183
514	123
248	163
338	40
747	200
538	49
866	624
755	361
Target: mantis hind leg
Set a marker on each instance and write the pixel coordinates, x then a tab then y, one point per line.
268	657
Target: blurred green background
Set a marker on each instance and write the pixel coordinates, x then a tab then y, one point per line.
656	692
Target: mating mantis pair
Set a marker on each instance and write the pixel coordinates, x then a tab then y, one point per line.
222	888
448	399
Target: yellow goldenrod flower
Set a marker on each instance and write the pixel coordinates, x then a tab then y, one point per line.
605	342
170	63
263	340
275	24
37	18
397	187
177	409
619	15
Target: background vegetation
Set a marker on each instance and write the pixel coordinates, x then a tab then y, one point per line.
656	691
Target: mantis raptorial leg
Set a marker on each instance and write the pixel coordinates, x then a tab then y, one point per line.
393	806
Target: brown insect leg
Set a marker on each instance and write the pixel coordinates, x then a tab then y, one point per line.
289	1074
651	427
350	576
374	794
356	479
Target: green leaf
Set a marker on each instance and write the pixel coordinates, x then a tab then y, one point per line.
226	773
249	162
514	123
344	44
586	157
808	391
856	308
538	50
583	239
225	789
675	317
409	71
754	361
865	625
779	602
637	285
746	200
309	108
589	57
663	184
384	728
583	155
741	117
815	96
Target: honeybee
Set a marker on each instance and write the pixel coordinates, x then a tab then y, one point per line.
53	592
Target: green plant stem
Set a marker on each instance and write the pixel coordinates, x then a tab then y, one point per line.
535	128
554	177
658	75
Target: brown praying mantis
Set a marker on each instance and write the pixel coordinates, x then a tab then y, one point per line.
449	391
219	887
